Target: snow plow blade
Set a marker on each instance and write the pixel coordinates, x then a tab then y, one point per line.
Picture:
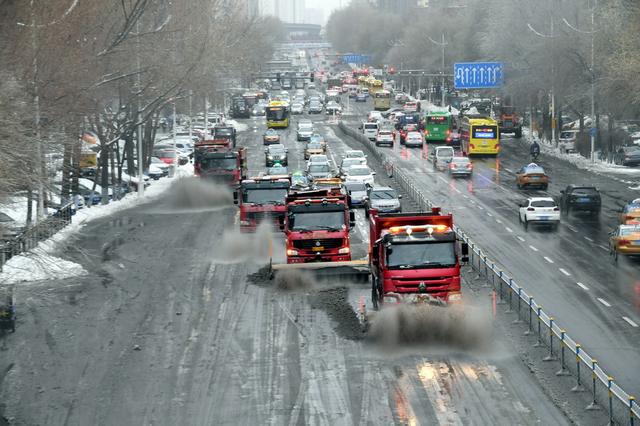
353	271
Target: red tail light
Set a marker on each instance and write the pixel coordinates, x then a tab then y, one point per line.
531	209
452	166
469	166
624	242
497	146
472	145
448	132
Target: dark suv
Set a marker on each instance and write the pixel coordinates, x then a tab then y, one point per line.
580	197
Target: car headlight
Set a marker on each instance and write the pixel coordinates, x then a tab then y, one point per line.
344	250
291	252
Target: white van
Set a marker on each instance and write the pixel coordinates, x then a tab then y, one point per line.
442	158
370	129
567	140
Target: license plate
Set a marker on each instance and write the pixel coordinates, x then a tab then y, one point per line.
543	217
317	248
435	129
583	200
535	178
485	143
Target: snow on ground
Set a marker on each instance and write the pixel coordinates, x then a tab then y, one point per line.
40	263
627	175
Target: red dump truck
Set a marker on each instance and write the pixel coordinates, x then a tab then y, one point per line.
317	225
262	198
509	121
414	254
217	160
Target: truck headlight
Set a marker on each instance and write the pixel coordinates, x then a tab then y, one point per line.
344	250
291	252
455	297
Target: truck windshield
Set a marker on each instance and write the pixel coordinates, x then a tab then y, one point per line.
421	255
312	221
223	132
265	196
219	164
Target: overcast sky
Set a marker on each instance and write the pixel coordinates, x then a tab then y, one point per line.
327	5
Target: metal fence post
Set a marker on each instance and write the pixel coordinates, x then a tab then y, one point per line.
594	404
632	417
530	328
539	342
550	357
501	301
578	387
610	392
518	320
563	369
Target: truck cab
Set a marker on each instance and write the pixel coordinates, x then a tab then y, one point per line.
317	226
225	132
414	253
262	199
214	159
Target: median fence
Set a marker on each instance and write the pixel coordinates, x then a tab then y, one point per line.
572	359
33	235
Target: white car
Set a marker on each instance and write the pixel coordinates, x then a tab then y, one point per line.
375	116
318	159
442	156
297	108
385	137
348	162
333	108
413	139
539	210
305	130
354	153
360	174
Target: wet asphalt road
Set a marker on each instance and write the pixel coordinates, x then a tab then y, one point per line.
569	271
168	330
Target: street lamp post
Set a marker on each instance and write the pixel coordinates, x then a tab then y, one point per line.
443	45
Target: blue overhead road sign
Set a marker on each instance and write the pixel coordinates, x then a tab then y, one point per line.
477	75
356	59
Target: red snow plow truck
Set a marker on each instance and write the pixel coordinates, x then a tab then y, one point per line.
261	199
414	255
217	160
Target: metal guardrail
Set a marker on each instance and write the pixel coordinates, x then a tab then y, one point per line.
33	235
621	406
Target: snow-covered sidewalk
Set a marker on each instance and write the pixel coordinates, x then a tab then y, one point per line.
40	263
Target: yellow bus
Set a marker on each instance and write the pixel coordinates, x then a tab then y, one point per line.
382	100
277	114
375	86
479	136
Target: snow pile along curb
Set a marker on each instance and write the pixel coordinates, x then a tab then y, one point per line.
41	264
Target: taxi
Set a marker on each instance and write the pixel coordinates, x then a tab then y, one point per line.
625	239
630	214
270	137
314	148
532	175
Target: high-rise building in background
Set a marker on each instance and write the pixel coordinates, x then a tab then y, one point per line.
290	11
314	16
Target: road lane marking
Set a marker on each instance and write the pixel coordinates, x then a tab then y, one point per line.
582	286
508	229
547	259
480	207
603	247
508	170
489	214
533	248
498	221
604	302
465	196
588	239
630	321
456	189
564	271
572	228
520	238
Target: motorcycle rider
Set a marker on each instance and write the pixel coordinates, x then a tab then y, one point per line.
535	150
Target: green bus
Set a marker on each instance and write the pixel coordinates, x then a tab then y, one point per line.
438	127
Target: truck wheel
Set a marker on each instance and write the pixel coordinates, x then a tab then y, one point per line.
526	224
375	298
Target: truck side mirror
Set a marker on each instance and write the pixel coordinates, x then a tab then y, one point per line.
235	197
352	218
464	249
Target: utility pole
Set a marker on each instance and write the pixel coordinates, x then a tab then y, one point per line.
138	114
592	131
442	44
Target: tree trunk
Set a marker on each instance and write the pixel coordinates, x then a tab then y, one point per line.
29	206
65	194
104	173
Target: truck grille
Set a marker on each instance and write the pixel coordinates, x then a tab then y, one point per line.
433	284
260	216
327	243
229	178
